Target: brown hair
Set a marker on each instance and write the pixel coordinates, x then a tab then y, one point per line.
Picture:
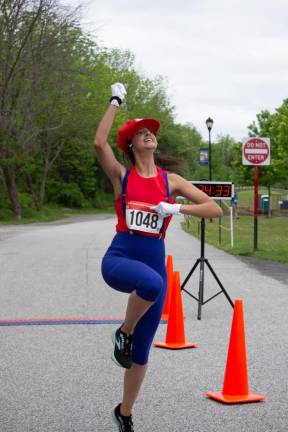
165	161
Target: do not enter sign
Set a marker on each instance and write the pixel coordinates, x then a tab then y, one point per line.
256	151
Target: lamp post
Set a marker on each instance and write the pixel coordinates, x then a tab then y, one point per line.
209	123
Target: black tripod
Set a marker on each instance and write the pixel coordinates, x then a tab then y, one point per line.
202	260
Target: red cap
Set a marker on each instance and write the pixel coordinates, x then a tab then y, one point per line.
128	130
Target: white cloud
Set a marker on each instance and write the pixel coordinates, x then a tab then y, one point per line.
227	59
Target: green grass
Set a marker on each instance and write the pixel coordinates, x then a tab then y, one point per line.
246	197
47	214
272	236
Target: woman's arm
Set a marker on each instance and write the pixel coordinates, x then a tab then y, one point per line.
109	163
202	206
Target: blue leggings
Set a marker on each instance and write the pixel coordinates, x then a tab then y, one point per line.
135	262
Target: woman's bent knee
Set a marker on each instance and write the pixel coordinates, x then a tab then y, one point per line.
150	288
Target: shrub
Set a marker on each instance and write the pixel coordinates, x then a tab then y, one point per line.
69	195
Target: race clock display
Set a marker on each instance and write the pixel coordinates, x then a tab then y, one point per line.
216	190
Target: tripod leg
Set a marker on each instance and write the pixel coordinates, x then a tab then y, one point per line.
219	283
201	289
190	274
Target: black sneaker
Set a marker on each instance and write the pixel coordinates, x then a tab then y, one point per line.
124	423
122	354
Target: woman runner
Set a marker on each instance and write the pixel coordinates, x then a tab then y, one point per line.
135	261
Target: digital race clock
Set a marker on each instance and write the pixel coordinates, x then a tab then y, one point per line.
216	190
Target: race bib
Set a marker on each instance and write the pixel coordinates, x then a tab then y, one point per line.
139	217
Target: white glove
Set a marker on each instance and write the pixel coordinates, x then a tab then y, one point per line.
166	209
118	94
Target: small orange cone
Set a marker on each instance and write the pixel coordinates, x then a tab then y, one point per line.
235	387
175	335
169	269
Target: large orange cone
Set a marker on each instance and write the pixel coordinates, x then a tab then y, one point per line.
235	387
170	271
175	335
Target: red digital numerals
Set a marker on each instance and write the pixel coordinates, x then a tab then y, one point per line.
216	190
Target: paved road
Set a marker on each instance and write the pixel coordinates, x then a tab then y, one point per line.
60	378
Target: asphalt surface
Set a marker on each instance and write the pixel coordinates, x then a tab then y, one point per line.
58	378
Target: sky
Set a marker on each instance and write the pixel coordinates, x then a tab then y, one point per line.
225	59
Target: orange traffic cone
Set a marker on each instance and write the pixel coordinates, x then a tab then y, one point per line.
235	387
175	335
169	269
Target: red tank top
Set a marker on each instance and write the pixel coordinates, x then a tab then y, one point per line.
134	207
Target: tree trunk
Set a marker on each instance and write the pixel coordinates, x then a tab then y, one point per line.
9	177
43	182
30	186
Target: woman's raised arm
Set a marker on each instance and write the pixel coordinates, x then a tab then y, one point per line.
109	163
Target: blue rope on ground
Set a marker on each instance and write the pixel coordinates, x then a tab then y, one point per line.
15	323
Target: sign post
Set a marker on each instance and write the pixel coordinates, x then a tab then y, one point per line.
256	152
255	214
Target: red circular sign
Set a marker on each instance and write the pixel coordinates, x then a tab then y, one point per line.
256	151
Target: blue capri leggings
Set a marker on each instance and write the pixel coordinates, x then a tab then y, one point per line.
135	262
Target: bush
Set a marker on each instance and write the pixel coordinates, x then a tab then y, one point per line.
69	195
102	200
26	201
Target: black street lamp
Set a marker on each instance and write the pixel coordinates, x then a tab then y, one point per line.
209	123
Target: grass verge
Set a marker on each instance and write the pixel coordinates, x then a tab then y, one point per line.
47	214
272	236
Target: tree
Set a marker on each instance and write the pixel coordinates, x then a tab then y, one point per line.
279	135
37	57
275	127
55	86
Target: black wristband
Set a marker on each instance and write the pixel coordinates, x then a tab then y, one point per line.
117	98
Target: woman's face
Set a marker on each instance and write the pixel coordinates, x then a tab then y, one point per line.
143	140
